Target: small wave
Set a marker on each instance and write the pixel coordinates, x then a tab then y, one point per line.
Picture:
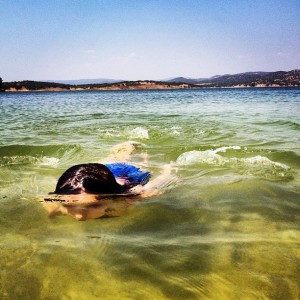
262	166
262	161
37	150
44	155
49	161
285	123
135	133
28	160
255	166
17	160
139	133
208	157
175	130
224	149
109	133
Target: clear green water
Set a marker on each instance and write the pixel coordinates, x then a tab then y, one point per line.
230	230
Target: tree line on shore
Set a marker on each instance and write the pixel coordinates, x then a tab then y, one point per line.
39	85
1	85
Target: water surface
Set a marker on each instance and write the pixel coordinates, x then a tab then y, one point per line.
230	230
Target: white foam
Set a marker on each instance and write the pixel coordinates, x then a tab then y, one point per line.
263	161
200	157
224	149
109	133
15	160
139	133
49	161
175	130
256	165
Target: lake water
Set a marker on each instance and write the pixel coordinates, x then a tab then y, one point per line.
229	230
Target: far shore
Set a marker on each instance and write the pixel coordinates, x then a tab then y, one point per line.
280	79
140	85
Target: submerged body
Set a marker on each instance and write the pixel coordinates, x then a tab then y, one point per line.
94	190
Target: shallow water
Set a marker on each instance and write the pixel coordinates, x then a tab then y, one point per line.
229	230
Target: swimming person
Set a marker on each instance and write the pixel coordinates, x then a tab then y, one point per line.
96	178
101	189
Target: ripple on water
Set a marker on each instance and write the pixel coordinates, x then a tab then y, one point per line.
256	165
230	230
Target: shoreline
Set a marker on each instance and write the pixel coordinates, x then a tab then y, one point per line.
143	86
280	79
139	89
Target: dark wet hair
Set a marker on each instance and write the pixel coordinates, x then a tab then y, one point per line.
92	178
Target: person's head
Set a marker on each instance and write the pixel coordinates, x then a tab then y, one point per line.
89	178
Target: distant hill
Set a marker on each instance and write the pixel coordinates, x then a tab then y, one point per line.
85	81
26	85
246	79
186	80
30	85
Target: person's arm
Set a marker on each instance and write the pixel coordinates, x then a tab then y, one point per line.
158	185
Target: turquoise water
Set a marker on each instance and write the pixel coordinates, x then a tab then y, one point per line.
229	230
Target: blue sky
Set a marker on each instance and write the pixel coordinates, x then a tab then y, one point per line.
137	39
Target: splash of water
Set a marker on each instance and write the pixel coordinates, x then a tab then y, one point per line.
256	165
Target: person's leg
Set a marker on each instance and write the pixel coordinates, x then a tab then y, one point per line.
122	152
